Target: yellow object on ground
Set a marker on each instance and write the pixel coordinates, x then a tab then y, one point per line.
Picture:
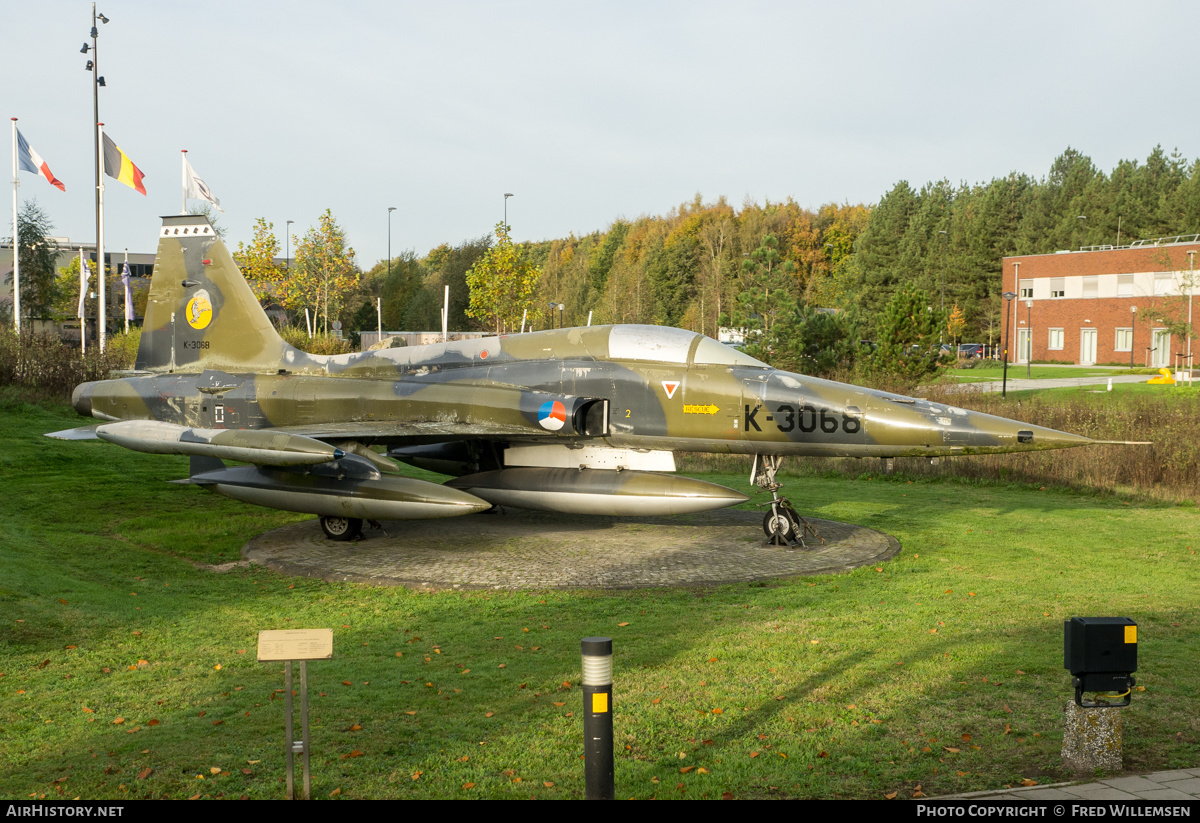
1164	378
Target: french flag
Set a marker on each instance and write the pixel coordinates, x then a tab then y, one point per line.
30	160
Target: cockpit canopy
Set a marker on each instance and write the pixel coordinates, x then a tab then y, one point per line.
660	344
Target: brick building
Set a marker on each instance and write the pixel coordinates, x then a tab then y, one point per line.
1104	304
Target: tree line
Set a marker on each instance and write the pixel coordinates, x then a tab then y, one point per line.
808	285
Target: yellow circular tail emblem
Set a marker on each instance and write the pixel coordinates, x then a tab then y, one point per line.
199	310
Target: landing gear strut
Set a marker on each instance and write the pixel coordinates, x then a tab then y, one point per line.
781	524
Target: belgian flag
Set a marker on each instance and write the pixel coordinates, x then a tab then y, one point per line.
117	164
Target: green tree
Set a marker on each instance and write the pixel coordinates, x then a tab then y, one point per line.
502	284
36	254
257	262
769	290
817	342
324	274
908	334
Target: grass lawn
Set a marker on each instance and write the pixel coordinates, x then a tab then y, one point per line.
127	664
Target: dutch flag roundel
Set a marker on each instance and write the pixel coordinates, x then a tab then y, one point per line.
552	415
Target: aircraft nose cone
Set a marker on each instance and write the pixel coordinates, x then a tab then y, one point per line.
989	432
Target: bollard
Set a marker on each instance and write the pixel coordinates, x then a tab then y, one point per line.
597	718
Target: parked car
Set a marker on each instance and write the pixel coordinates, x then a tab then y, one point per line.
971	351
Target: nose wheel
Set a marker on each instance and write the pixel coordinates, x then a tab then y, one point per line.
782	525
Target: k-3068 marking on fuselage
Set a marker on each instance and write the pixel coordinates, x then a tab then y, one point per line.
805	418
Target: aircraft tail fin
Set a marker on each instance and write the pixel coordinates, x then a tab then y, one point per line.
201	313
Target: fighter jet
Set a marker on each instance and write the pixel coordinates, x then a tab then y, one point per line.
575	420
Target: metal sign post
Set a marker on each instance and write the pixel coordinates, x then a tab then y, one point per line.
290	646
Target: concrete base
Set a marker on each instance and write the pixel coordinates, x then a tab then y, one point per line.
1092	739
541	550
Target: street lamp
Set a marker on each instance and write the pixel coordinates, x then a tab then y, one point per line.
1132	332
1028	337
1082	230
507	195
287	253
1008	296
1191	291
945	242
93	66
389	266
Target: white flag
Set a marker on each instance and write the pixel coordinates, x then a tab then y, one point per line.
196	189
85	272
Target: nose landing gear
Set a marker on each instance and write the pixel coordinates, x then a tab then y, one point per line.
782	525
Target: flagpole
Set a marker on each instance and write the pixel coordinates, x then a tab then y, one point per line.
100	267
16	240
183	171
128	292
82	304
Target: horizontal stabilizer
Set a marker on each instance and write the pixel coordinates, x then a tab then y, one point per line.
81	433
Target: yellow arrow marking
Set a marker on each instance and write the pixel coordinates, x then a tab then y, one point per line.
709	409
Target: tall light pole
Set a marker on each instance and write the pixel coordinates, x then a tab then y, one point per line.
945	242
1132	332
507	195
1191	291
389	267
1082	230
1008	298
287	239
1029	336
93	66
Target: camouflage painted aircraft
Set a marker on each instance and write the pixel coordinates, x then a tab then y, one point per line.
578	420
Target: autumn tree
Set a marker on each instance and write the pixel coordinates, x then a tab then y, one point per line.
502	284
257	262
324	273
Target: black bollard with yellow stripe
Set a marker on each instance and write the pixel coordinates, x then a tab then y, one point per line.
597	718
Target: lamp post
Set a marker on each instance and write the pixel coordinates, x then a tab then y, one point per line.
1028	336
389	265
287	238
1191	291
93	66
1132	332
507	195
1008	296
1082	230
945	242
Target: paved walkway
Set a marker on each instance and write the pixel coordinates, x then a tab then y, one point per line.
1181	784
1021	383
538	550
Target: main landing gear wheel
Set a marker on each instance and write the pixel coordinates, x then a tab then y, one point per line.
341	528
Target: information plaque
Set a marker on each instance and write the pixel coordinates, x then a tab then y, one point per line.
295	644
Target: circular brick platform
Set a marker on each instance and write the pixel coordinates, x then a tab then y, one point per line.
537	550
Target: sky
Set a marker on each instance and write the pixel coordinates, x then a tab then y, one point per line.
586	112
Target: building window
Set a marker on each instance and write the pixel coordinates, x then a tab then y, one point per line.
1058	287
1026	289
1091	285
1124	340
1056	339
1164	281
1124	285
